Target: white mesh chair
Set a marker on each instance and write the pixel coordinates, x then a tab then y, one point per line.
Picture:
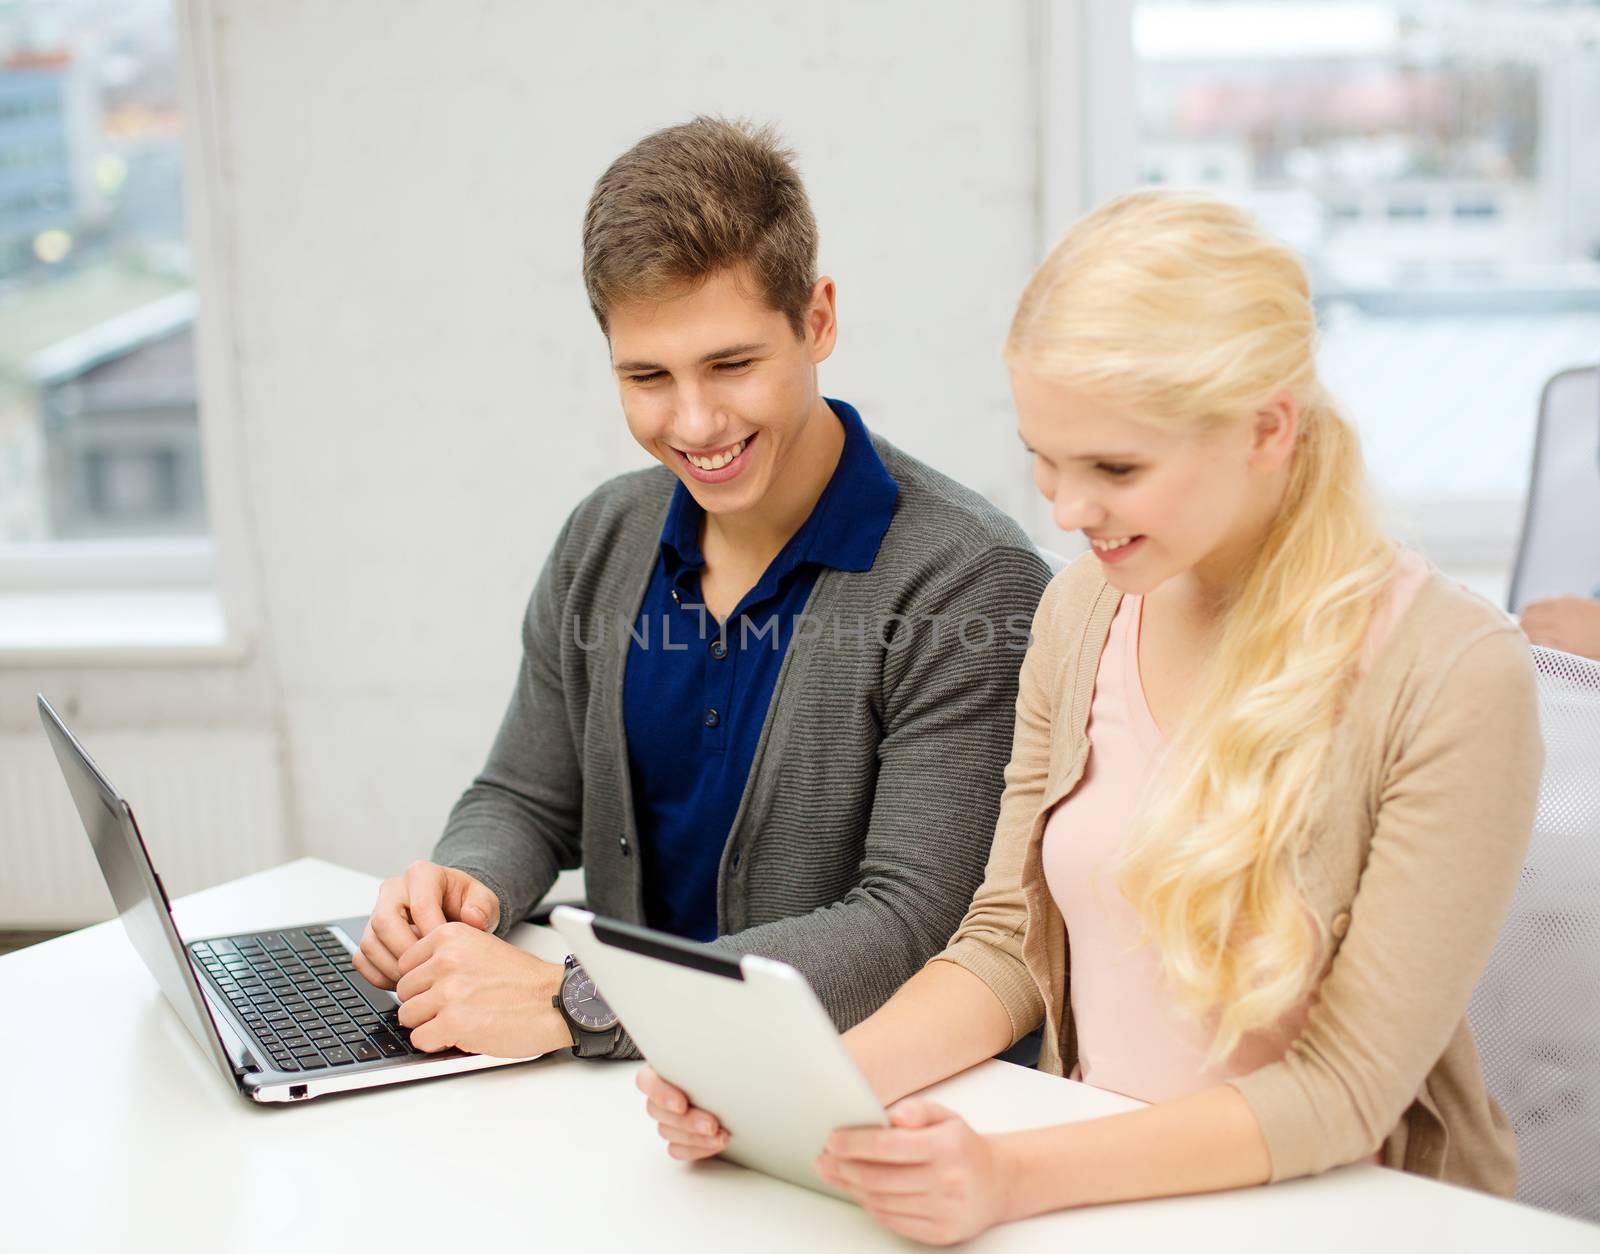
1536	1012
1559	554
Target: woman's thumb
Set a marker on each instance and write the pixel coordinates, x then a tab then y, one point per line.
915	1113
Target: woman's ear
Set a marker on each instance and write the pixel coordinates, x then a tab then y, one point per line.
1276	425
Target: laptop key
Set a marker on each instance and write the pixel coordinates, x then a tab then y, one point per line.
389	1047
365	1052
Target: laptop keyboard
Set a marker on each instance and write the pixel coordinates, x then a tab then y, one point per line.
291	989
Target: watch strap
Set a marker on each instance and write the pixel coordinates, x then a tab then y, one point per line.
587	1044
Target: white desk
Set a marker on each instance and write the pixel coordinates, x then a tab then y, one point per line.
118	1134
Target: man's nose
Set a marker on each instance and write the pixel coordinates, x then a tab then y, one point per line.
696	422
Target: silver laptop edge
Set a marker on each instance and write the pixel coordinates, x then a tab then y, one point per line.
146	914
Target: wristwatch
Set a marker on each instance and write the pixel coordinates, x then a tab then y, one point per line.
594	1024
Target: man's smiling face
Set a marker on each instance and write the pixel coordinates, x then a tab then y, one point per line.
717	386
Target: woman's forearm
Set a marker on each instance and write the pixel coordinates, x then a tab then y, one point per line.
943	1020
1201	1143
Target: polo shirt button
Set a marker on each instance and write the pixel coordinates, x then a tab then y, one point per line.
1340	925
677	599
712	718
622	844
719	648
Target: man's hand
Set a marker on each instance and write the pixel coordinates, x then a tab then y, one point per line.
410	906
689	1132
464	988
1571	624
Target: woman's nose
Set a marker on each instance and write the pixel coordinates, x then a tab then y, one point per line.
1076	512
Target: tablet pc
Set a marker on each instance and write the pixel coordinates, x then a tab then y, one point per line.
744	1037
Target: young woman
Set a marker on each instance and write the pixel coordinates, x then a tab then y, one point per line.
1271	783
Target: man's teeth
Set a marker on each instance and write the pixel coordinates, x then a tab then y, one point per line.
721	459
1104	545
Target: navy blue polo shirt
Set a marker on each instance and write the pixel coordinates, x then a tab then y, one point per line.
695	695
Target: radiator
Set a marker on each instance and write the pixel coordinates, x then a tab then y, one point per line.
209	802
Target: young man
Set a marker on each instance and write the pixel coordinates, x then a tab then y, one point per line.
767	686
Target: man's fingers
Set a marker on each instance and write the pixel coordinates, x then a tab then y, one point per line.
433	1035
414	982
379	956
416	953
368	972
425	895
391	932
419	1010
480	907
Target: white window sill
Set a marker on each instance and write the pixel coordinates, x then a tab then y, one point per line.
101	603
113	625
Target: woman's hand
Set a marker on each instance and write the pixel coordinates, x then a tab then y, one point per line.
928	1176
690	1133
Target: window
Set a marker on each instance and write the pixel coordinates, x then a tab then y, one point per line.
99	435
1438	165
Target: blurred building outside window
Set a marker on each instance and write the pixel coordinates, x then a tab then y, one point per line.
1437	163
99	432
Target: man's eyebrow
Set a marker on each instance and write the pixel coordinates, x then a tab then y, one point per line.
733	350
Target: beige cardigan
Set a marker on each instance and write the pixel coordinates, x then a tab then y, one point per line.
1437	761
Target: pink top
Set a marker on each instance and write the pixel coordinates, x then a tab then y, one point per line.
1132	1036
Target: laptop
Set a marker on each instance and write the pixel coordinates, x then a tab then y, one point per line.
282	1014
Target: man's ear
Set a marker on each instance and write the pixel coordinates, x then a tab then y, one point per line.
822	320
1277	423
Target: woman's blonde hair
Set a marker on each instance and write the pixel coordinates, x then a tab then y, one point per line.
1181	308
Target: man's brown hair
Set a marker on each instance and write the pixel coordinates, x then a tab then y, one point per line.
691	200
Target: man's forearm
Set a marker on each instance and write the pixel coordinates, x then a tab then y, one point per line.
943	1020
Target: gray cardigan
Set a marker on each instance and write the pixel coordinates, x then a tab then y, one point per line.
872	799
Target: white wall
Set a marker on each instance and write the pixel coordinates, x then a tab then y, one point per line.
421	392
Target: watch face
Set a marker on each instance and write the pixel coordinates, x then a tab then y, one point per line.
583	1002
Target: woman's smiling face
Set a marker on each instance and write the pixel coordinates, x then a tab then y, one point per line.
1153	503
